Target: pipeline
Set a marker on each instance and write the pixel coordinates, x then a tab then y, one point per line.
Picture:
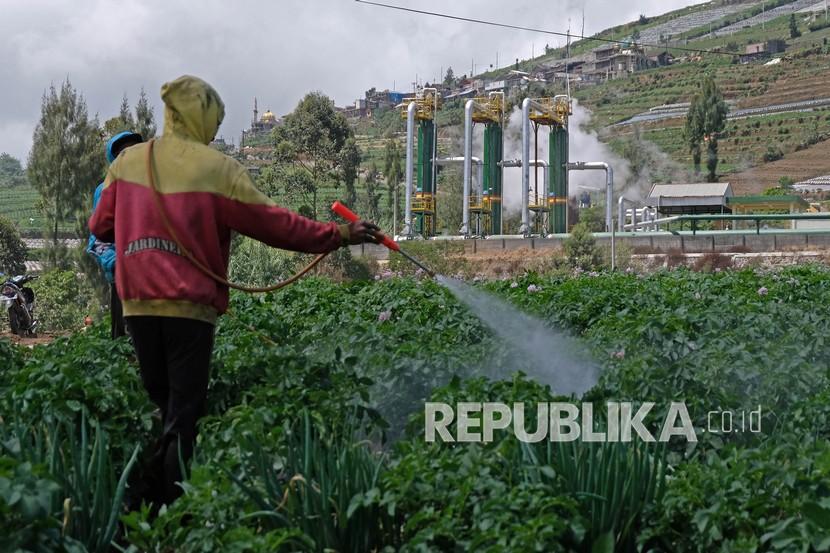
527	104
465	219
410	144
609	185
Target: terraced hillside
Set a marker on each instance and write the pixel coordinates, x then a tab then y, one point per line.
756	139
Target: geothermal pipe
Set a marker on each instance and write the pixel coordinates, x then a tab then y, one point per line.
465	222
410	162
469	107
526	187
527	105
609	185
621	213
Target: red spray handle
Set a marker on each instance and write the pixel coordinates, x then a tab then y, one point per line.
351	216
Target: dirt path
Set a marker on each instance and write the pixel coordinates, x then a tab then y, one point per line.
31	342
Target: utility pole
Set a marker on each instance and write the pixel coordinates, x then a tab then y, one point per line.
763	11
583	19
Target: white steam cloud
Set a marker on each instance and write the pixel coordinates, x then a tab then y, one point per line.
583	145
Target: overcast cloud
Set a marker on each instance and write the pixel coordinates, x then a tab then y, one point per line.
275	50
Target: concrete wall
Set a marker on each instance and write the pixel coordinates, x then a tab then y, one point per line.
644	243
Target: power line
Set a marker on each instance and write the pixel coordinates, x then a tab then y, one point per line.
544	31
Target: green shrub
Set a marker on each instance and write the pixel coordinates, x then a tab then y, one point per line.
773	153
12	249
581	249
63	300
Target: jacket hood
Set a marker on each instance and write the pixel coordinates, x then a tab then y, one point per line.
118	138
193	109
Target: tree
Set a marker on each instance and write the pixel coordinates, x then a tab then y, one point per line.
635	36
371	192
693	133
11	171
794	32
12	249
705	120
350	161
67	161
124	113
449	78
393	170
312	149
145	121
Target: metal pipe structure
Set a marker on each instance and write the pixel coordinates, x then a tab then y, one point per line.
434	137
621	224
469	108
527	104
410	162
465	224
609	185
526	194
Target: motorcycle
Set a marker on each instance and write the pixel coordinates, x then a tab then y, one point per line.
19	301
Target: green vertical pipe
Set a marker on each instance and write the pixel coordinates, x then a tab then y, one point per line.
495	169
558	185
424	182
493	153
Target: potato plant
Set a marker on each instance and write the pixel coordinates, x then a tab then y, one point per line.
314	439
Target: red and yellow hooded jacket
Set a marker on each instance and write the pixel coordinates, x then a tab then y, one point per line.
206	195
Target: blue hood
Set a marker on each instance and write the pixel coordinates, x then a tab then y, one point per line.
119	138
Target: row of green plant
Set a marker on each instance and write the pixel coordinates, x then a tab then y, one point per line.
315	435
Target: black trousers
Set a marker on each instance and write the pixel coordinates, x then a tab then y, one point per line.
174	358
116	314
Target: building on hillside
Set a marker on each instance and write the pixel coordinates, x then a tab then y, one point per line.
373	100
817	184
690	199
613	62
661	60
260	126
495	86
763	50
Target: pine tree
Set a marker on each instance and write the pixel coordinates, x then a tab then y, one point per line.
125	115
145	121
693	133
705	120
371	192
67	160
393	170
794	32
349	163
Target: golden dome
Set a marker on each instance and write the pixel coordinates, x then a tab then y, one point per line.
268	117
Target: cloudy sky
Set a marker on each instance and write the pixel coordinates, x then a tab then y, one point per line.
276	50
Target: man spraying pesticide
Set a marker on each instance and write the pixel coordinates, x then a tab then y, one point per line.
170	206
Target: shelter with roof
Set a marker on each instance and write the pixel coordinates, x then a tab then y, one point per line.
786	203
690	199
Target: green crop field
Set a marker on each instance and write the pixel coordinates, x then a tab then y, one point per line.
292	455
19	205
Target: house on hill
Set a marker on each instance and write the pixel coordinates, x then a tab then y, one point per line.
763	50
613	62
